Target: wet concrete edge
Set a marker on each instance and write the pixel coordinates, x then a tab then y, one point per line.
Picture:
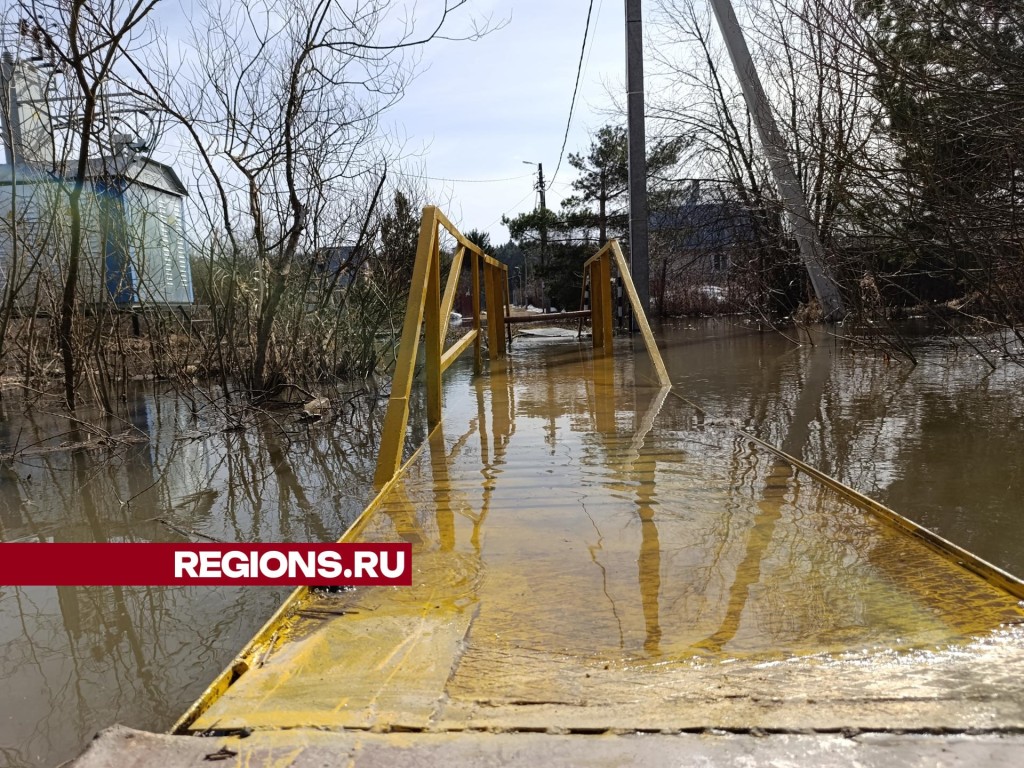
126	748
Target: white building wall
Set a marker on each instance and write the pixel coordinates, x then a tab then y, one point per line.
157	246
35	242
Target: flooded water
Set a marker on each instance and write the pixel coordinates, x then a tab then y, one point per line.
75	659
938	443
580	544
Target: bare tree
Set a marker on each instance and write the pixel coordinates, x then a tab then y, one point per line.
87	42
901	118
282	106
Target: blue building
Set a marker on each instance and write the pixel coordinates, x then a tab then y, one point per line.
134	249
145	252
703	235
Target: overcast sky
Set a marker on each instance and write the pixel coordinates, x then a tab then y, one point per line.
479	109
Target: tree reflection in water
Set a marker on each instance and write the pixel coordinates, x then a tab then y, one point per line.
76	659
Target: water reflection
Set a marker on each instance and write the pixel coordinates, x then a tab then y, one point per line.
633	468
646	526
777	484
76	659
937	442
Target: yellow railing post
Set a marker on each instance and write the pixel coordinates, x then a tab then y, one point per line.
501	285
494	331
507	312
598	270
448	299
432	336
596	324
428	307
393	433
604	296
640	316
478	364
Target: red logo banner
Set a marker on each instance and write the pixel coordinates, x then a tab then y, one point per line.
62	564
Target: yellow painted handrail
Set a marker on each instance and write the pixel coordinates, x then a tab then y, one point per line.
598	270
428	308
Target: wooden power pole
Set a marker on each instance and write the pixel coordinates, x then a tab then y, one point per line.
638	236
543	210
825	287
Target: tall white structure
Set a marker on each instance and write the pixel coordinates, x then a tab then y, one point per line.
135	247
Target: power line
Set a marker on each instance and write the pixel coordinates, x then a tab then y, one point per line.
511	208
597	20
465	181
575	90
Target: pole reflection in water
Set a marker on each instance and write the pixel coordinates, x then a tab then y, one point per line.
636	468
777	484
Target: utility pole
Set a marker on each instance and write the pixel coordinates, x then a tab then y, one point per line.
638	248
543	216
543	229
811	252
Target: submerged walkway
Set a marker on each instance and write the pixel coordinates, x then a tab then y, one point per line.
592	555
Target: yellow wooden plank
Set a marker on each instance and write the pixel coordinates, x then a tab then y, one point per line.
394	666
640	316
494	326
433	339
465	242
603	294
475	290
448	301
597	255
502	548
276	625
501	279
456	349
508	309
596	306
986	570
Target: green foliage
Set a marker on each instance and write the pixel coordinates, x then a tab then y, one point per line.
945	73
557	244
949	75
602	183
510	254
480	239
555	274
396	253
526	227
399	232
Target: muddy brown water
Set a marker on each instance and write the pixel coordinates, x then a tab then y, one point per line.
937	442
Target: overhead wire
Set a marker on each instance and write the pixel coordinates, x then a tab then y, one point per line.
575	91
520	202
597	20
511	208
565	138
464	181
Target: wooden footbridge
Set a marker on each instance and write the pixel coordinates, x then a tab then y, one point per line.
596	558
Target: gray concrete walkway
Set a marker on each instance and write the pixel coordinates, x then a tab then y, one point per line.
125	748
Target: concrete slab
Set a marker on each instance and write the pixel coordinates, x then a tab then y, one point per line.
124	748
